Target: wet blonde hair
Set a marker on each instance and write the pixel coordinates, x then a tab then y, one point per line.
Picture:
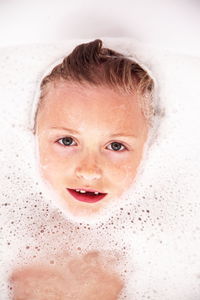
91	63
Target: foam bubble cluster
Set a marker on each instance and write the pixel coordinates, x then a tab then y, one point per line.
153	230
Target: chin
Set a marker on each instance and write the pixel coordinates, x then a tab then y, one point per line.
92	214
87	213
80	212
84	216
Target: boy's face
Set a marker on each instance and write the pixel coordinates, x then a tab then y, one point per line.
89	139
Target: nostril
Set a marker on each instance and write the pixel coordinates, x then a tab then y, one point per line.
88	174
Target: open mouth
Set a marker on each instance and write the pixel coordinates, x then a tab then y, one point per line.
86	196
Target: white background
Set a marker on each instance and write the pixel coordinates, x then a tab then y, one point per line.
170	24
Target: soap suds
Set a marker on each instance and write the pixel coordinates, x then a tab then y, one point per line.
154	230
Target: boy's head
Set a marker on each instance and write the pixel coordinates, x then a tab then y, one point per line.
91	124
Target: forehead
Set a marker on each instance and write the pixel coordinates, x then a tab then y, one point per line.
70	102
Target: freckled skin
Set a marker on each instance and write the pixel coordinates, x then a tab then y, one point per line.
96	113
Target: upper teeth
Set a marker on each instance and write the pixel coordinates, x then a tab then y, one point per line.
82	191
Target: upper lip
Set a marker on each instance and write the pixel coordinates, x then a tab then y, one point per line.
88	190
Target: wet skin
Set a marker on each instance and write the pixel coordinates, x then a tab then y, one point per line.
82	278
92	138
89	137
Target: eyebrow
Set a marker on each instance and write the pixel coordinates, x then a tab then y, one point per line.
66	129
124	135
120	134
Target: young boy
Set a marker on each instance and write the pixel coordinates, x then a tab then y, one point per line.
91	124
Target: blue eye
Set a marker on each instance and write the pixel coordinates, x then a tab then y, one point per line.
117	146
66	141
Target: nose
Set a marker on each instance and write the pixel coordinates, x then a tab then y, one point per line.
88	170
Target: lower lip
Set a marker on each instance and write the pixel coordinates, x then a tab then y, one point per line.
86	197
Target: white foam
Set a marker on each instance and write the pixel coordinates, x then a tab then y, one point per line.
155	227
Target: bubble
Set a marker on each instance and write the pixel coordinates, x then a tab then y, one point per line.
155	227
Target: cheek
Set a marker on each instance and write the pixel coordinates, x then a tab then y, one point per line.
57	164
125	175
52	167
125	170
